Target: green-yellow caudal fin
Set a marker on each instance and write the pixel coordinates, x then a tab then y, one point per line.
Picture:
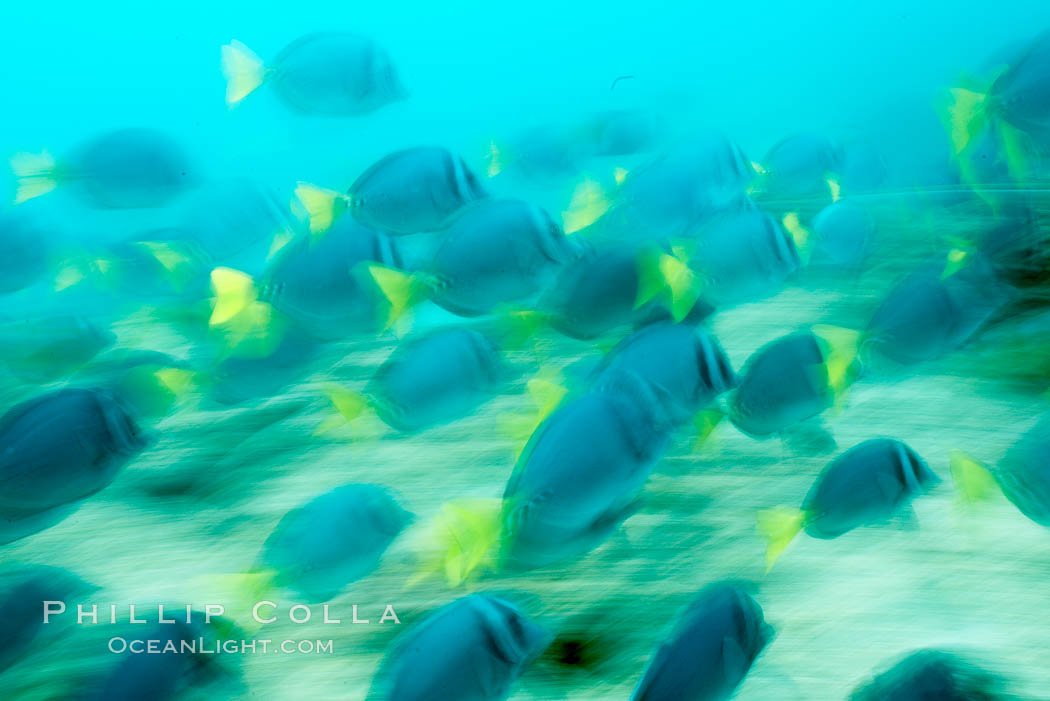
175	259
964	116
496	160
322	206
348	405
1016	146
400	290
704	423
589	202
779	526
247	326
516	326
238	593
462	541
154	390
955	261
841	347
973	481
244	71
802	236
546	391
669	275
35	175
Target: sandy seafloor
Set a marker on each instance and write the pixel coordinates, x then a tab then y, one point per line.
963	578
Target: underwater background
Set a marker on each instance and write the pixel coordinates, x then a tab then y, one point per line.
196	506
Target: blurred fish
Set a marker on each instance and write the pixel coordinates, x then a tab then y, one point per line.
148	383
335	73
472	649
59	449
869	483
335	539
157	266
935	309
543	155
321	282
932	675
580	474
40	350
802	166
711	650
128	168
793	379
494	253
684	362
843	233
685	186
226	218
742	257
1022	475
623	132
440	376
24	251
23	591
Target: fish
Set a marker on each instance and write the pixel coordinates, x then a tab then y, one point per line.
226	218
1021	476
324	73
603	290
333	540
932	675
322	282
59	449
472	649
935	309
46	348
123	169
440	376
623	132
793	378
714	645
685	362
25	250
23	591
871	482
414	190
843	233
493	254
802	166
148	383
742	257
580	474
543	155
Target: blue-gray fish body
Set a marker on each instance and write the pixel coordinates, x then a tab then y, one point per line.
319	283
40	350
240	379
227	218
932	675
1024	473
927	315
1021	94
336	73
579	476
61	448
711	650
683	361
333	540
130	168
743	256
413	190
782	384
799	166
623	132
472	649
843	231
683	187
439	377
497	252
24	250
25	589
867	484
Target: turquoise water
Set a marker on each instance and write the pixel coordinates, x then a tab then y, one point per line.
195	507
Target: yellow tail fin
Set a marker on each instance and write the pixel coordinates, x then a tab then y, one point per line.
660	273
956	261
705	422
779	527
546	392
244	71
234	291
965	116
495	159
154	391
177	263
238	593
401	290
35	174
841	347
589	202
799	234
349	405
973	481
465	536
322	205
620	175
